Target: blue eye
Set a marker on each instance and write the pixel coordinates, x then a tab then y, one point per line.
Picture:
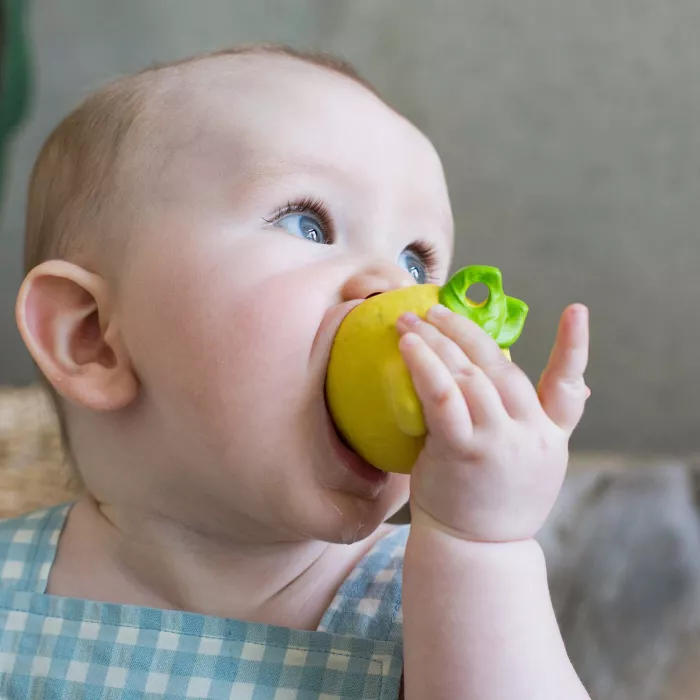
304	226
413	265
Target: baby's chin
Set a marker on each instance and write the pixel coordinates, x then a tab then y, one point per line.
354	528
344	519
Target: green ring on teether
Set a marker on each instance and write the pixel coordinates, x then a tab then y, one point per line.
501	316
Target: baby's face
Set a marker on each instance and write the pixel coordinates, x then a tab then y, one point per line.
293	194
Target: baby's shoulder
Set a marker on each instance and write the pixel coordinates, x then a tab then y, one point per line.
390	548
28	547
384	561
368	603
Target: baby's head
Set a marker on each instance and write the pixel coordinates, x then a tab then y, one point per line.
195	235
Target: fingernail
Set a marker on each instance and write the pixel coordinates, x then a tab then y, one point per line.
409	319
438	311
410	339
580	311
588	393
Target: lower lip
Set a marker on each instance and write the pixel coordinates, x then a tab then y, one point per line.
354	462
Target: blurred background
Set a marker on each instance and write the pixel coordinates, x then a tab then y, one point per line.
570	133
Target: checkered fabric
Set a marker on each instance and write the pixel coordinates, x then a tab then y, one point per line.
59	648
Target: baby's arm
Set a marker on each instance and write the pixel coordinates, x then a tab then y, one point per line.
478	619
478	623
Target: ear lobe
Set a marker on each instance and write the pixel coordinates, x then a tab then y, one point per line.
63	315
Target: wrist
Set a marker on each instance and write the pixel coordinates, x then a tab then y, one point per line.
425	524
430	543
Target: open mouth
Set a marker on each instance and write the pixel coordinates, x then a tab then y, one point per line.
352	460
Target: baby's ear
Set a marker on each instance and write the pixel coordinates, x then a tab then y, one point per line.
64	314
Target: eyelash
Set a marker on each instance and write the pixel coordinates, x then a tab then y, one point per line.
307	205
430	256
425	250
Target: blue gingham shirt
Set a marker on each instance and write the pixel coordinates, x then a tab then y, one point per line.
59	648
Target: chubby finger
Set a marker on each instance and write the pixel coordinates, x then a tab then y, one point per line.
483	400
562	388
482	397
445	348
517	394
444	408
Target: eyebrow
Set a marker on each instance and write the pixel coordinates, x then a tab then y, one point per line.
277	168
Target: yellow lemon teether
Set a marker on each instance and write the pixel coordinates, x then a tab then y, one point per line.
368	387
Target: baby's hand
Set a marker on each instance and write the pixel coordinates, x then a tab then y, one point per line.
497	449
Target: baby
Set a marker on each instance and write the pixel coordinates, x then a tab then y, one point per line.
196	234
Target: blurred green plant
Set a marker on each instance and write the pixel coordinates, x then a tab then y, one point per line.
14	73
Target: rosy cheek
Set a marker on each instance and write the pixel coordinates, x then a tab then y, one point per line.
222	346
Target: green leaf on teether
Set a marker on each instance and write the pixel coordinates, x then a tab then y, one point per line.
514	323
501	316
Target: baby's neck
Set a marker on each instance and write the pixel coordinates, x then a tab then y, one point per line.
123	557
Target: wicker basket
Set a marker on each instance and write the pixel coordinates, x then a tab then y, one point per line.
33	470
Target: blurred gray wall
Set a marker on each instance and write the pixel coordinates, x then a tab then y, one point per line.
570	133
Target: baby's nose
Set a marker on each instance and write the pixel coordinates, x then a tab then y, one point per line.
376	280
